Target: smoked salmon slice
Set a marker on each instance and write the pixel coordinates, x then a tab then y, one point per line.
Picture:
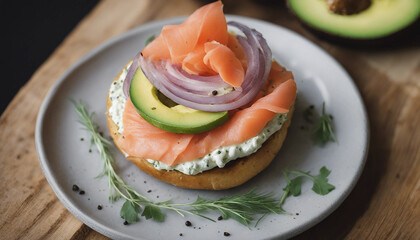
237	49
193	63
143	140
192	45
223	61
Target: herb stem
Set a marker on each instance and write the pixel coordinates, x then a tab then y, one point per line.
300	173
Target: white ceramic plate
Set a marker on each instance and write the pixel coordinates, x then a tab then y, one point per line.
66	160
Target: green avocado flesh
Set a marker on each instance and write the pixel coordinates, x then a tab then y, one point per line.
381	18
163	113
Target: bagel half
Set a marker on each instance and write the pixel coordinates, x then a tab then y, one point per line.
235	173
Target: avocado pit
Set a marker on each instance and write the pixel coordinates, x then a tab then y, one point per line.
348	7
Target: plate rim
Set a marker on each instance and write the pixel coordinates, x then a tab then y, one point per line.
110	232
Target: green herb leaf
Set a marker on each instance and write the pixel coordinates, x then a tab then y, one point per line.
321	185
295	186
241	208
153	212
129	212
323	131
149	40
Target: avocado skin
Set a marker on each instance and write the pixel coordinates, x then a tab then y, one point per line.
404	37
148	103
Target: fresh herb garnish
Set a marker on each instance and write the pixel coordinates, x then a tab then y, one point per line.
130	211
293	186
321	185
323	131
149	40
242	208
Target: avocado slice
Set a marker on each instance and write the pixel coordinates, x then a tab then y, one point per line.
381	18
165	114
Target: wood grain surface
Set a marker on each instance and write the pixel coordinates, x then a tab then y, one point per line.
385	203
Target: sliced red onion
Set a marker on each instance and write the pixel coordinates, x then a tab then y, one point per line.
258	39
166	82
193	91
195	82
195	95
130	74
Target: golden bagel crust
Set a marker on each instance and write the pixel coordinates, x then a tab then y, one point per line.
235	173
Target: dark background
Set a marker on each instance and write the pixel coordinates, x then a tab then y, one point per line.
31	30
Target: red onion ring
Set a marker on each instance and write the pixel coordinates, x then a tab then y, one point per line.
176	88
195	82
130	74
184	88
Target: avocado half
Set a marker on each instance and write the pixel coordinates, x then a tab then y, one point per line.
380	19
165	114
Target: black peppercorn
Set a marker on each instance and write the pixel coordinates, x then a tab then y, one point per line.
188	223
99	207
75	188
226	234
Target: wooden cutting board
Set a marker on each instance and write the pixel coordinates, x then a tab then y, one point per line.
385	203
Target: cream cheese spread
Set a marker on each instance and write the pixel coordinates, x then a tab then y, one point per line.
117	98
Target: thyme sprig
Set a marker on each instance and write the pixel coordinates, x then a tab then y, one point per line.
242	207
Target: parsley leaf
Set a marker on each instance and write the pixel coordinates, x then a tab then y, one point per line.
321	185
149	40
295	186
129	212
153	212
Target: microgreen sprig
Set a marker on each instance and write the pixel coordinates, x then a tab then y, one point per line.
242	207
323	131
